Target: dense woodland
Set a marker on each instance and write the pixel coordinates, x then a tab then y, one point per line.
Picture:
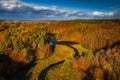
25	53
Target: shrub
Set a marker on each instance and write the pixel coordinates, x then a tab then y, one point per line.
1	47
38	38
25	52
89	54
81	30
4	44
18	44
12	31
33	36
59	35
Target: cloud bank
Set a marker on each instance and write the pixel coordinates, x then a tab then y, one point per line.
17	9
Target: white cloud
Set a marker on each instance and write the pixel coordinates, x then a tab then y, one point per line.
54	8
11	4
111	13
102	14
39	7
17	9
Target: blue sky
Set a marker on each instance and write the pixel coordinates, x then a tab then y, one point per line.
59	9
102	5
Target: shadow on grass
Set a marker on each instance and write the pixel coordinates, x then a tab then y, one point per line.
117	43
21	73
44	72
69	44
66	42
12	70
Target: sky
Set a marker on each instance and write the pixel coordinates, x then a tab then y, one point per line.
59	9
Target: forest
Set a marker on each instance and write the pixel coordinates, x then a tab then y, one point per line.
60	49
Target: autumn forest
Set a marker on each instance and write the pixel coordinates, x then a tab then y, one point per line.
60	50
